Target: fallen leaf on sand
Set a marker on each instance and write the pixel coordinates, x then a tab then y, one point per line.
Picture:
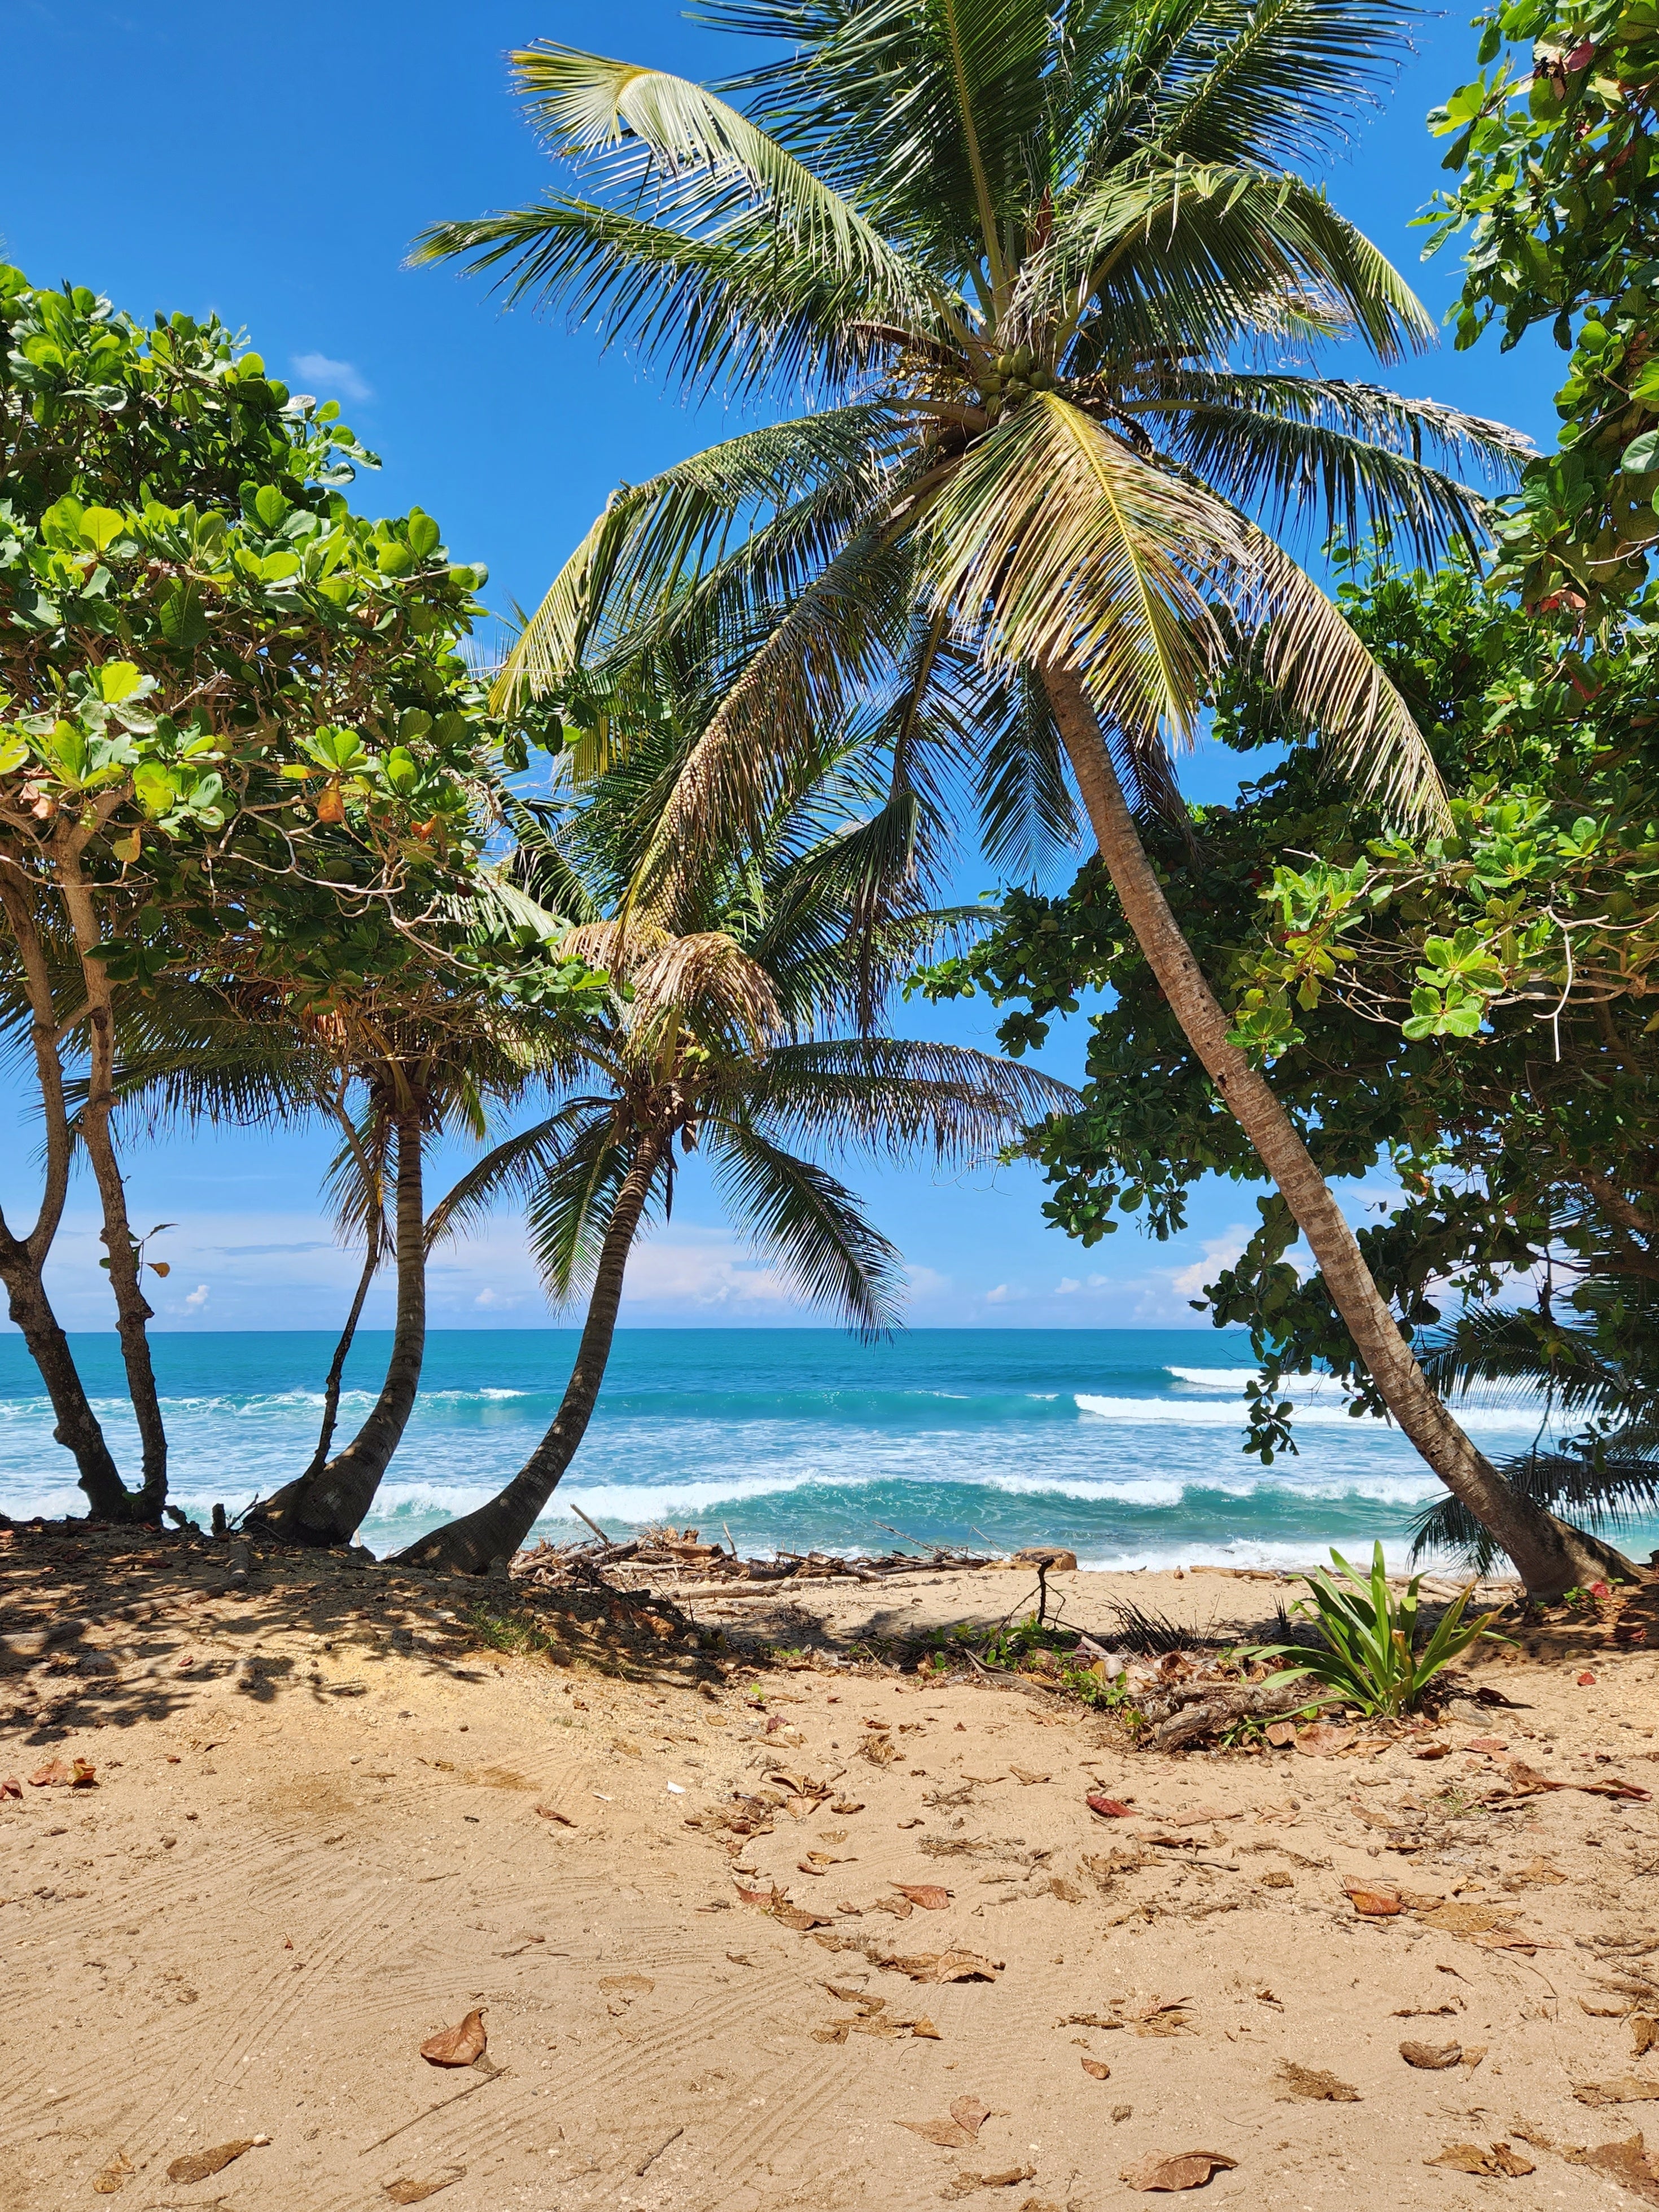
1499	2159
564	1821
756	1896
1023	1774
1318	2088
407	2191
964	2184
1488	1743
926	2029
114	2174
804	1866
83	1775
845	1805
1110	1808
1525	1777
197	2165
879	1750
1432	2057
1319	1740
45	1778
900	1907
1097	2069
798	1917
1187	2169
1281	1734
627	1985
11	1787
927	1894
456	2046
1586	1681
1630	2162
1627	2089
945	1966
629	1750
1644	2033
1373	1904
1435	1750
1459	1919
960	2131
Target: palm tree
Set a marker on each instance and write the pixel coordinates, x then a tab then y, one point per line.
728	1035
1040	266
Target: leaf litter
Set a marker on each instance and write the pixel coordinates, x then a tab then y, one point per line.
1186	2169
461	2045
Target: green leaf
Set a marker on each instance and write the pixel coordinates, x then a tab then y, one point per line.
100	526
118	679
184	624
1641	457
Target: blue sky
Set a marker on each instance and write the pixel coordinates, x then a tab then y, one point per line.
273	165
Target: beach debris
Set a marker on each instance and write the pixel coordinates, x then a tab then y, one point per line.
1438	1748
628	1747
1323	1738
10	1787
846	1806
937	1965
1110	1808
548	1813
880	1748
1096	2070
1644	2033
1431	2057
1523	1779
407	2191
1586	1681
462	2045
959	2132
1186	2169
627	1985
929	1895
74	1774
1499	2159
1027	1778
900	1907
1627	2089
1630	2162
1282	1735
1371	1903
652	2156
113	2176
965	2185
197	2164
798	1917
1317	2087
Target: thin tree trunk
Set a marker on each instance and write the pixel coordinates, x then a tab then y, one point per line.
78	1427
1549	1555
474	1543
327	1507
132	1310
23	1258
337	1366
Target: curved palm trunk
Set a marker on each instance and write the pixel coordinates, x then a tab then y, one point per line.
473	1544
341	1351
1549	1555
77	1426
327	1506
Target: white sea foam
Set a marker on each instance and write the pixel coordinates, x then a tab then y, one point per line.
1322	1413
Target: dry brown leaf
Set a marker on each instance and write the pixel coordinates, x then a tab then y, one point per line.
197	2165
548	1813
965	2185
805	1866
456	2046
1431	2057
1067	1892
628	1985
846	1805
1097	2069
944	1966
47	1776
1110	1808
837	2031
1644	2033
1524	1778
1187	2169
83	1775
1460	1919
10	1786
927	1894
1629	2162
926	2029
1281	1734
798	1917
114	2175
1320	1739
628	1749
765	1897
1023	1774
900	1907
1499	2159
960	2131
1626	2089
405	2190
1372	1903
879	1750
1318	2088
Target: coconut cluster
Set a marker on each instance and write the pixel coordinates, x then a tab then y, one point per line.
1013	377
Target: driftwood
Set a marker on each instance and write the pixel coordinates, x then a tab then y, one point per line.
1200	1708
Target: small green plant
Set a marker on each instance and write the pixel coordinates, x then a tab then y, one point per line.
1371	1655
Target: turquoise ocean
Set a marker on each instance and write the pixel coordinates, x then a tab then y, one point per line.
1123	1445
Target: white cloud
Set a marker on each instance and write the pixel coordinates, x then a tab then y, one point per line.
495	1301
1000	1296
338	379
1219	1252
1068	1286
198	1298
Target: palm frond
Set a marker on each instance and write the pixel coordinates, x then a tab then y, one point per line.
811	1227
904	1099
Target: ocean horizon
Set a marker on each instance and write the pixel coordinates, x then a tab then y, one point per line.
1122	1444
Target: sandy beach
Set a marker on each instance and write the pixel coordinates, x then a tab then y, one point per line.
328	1819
